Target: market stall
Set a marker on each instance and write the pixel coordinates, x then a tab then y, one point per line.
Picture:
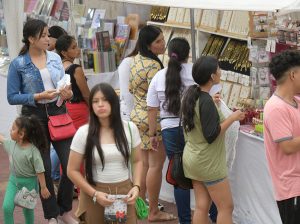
250	180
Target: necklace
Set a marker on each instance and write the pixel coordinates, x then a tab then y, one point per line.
67	60
294	104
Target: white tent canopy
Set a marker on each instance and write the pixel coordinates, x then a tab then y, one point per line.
241	5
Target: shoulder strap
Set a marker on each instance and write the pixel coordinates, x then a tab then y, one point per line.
130	135
130	171
13	162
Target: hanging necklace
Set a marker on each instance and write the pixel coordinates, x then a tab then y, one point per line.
67	60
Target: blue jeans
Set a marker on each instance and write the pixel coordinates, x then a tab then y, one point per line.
173	143
55	171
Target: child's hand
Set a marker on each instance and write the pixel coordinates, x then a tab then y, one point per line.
45	192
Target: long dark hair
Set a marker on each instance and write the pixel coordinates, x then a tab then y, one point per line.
94	129
32	28
202	70
63	43
33	132
178	51
147	35
135	51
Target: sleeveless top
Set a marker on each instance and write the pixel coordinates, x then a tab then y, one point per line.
77	96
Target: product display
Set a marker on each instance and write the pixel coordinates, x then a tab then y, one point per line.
159	14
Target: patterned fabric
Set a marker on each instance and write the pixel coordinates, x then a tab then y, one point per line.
142	70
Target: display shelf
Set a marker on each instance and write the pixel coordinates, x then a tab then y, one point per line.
229	35
168	25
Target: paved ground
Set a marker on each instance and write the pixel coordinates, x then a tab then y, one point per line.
39	218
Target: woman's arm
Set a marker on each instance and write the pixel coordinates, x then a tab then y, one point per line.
152	121
1	139
82	84
137	167
235	116
73	170
14	83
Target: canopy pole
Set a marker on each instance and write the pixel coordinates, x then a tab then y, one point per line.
193	35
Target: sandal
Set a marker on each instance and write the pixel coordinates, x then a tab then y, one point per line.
163	217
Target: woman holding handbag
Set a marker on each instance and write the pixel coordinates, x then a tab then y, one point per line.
67	48
107	146
204	159
164	95
32	82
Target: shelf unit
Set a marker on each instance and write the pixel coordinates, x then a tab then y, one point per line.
229	35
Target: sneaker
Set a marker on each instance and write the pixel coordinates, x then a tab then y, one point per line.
67	218
52	221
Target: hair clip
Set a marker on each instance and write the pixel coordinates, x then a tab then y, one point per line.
174	55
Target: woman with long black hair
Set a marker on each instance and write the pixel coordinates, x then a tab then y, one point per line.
32	82
143	68
106	145
164	95
204	159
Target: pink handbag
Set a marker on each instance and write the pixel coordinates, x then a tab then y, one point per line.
61	127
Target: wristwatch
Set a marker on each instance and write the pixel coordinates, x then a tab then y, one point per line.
95	197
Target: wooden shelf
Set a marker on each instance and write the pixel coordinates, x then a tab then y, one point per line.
168	25
229	35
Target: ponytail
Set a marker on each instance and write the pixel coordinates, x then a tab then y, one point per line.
32	28
33	132
173	87
24	49
188	107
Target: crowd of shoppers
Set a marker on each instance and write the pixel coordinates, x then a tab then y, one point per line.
120	148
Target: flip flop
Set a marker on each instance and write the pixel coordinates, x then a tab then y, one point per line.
164	218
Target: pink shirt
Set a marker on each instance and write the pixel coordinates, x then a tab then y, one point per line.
282	122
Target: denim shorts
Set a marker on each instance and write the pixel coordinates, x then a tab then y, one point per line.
210	183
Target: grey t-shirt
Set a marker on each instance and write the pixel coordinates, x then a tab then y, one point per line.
24	161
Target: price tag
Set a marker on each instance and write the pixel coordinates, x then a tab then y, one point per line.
268	46
273	46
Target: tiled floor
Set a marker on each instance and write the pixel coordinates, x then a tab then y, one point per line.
39	218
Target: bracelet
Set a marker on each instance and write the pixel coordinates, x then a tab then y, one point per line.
139	188
95	197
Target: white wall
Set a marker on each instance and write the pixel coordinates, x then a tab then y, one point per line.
8	113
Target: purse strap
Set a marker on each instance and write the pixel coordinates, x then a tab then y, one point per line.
130	136
54	115
130	165
13	162
178	137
